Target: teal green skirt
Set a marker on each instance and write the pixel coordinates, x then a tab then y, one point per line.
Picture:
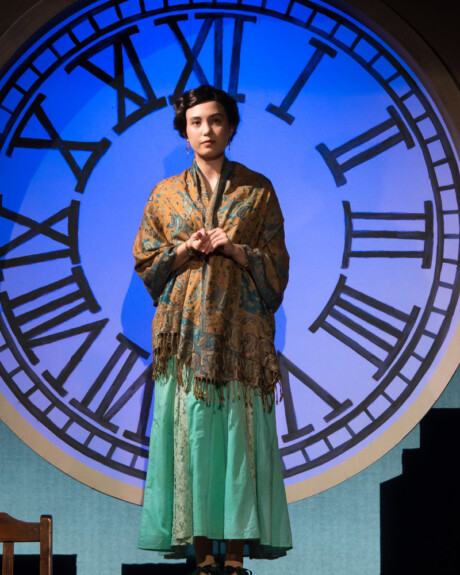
214	471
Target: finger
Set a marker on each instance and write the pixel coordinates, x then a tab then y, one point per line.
202	247
221	235
199	242
208	248
205	245
219	242
196	236
211	245
214	232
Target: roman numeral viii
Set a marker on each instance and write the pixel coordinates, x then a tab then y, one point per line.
35	315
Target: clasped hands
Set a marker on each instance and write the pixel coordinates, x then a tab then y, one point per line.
205	242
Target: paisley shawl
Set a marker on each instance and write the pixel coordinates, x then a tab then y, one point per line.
215	317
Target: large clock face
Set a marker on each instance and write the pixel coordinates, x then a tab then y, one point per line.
367	180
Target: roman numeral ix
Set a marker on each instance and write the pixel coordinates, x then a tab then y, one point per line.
68	242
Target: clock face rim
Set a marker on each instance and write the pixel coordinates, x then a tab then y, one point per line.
358	462
350	466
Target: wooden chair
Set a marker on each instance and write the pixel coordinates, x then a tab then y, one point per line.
12	531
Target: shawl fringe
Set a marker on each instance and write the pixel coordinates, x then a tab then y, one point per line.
212	390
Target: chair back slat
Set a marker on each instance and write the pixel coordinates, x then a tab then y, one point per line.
8	554
13	530
46	544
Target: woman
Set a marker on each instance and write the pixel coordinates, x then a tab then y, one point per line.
211	252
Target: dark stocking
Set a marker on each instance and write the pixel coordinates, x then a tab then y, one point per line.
203	550
234	554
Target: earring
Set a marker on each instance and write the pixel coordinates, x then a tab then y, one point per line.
187	147
229	143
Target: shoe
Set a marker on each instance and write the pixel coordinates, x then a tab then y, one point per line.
230	570
211	569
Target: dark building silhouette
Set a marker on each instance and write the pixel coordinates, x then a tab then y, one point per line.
420	509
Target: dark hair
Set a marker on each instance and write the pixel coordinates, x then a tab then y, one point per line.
199	96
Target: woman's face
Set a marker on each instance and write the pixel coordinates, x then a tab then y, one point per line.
208	130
